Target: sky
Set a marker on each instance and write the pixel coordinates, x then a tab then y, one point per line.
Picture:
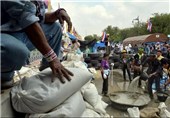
93	16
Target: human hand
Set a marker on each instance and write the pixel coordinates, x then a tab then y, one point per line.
141	68
153	74
59	70
63	16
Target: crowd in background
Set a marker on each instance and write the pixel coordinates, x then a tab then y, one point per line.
154	56
134	58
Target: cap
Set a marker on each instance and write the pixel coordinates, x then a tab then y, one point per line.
124	51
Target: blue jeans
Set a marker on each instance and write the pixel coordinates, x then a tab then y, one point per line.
16	47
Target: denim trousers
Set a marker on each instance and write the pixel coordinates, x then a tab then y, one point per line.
16	47
151	80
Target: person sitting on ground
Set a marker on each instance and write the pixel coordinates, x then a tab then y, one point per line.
24	27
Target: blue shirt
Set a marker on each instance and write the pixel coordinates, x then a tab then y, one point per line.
18	14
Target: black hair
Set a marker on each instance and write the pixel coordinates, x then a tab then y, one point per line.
152	55
136	56
73	41
164	61
105	55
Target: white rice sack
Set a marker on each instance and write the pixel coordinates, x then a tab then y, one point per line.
164	113
74	106
134	112
104	104
38	94
74	56
91	94
106	116
88	106
90	113
80	64
67	63
84	87
75	64
99	107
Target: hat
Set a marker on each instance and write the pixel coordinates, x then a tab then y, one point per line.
124	51
141	49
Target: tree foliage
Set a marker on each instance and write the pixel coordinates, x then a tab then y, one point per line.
92	37
160	24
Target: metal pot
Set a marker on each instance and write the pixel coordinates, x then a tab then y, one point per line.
162	96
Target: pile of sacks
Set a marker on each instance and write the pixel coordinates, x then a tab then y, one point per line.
38	96
150	112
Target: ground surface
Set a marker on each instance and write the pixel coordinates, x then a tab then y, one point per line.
117	84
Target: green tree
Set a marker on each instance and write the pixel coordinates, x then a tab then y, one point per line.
89	37
160	24
92	37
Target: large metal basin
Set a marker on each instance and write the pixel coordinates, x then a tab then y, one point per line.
124	99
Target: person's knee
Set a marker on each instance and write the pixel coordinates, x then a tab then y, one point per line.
56	28
13	51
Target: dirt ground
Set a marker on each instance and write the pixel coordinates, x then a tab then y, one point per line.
117	84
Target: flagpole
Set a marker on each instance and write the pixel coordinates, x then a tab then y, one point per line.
136	19
59	1
58	5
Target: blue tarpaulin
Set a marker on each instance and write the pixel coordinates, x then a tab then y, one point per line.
97	45
72	37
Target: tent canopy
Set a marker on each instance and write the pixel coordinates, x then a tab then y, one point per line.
157	37
97	45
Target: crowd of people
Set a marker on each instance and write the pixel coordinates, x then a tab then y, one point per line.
156	58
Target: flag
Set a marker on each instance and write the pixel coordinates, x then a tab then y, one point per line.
103	36
149	25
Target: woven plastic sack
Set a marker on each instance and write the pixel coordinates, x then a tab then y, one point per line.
38	94
74	106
